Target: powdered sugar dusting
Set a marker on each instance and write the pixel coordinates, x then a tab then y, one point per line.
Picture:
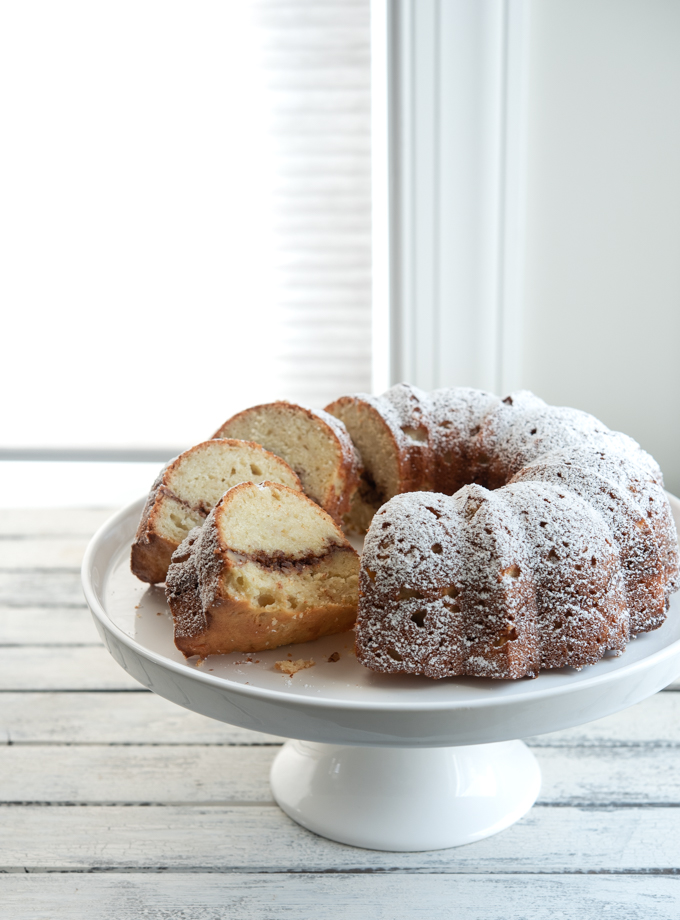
571	548
193	582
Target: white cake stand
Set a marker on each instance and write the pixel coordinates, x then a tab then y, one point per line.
382	761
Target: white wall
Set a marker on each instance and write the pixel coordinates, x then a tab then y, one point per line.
602	284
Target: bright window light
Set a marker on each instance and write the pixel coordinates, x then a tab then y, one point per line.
138	276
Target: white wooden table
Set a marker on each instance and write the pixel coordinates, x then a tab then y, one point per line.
118	804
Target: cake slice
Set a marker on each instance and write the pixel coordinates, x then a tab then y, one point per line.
392	434
268	568
316	445
188	488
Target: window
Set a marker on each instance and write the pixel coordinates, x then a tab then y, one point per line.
185	215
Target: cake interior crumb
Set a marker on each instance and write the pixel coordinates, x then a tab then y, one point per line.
292	667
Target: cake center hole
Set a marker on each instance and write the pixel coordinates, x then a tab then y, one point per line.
513	571
407	593
415	434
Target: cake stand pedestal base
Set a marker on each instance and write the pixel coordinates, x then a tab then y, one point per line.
405	799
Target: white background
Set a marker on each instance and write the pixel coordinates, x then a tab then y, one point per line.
135	220
602	295
184	214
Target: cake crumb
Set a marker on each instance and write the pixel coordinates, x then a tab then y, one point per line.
292	667
334	657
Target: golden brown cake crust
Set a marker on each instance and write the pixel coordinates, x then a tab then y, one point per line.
150	557
151	553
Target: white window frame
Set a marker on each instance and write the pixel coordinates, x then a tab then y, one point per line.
449	154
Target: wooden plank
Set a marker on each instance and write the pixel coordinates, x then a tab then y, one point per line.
211	774
52	521
41	588
261	838
131	774
112	718
243	896
609	776
654	721
47	626
42	552
67	668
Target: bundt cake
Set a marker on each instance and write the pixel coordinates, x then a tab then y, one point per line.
267	568
315	444
188	488
504	535
557	546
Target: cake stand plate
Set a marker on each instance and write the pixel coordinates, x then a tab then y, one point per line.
391	762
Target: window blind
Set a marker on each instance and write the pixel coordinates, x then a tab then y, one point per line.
316	60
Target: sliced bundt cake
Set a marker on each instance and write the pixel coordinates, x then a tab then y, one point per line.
559	546
315	444
188	488
268	568
504	536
